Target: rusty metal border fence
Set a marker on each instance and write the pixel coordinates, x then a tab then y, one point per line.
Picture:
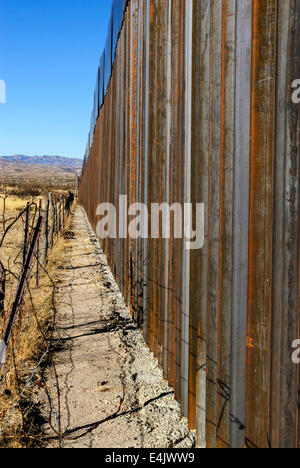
198	109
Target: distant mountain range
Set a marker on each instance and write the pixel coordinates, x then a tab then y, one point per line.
57	161
46	170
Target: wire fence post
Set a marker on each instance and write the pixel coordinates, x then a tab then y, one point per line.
45	238
26	233
59	214
2	289
63	213
38	249
55	214
52	214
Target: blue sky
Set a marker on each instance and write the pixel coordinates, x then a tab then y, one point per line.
49	54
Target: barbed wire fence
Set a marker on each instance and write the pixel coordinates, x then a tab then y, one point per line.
26	241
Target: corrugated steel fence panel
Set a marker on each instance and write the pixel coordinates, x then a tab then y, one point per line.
198	108
284	421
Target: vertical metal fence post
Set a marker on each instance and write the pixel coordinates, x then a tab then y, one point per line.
59	214
63	213
26	229
241	221
2	289
45	233
38	249
56	215
52	216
